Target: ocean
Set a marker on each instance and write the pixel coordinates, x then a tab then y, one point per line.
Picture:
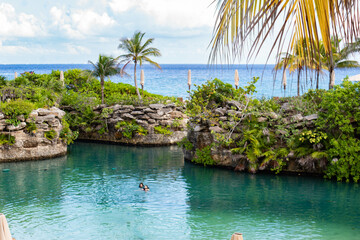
172	79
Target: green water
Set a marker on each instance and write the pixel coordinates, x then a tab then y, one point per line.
93	194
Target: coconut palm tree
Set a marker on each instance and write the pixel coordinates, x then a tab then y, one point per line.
105	67
254	21
340	57
138	52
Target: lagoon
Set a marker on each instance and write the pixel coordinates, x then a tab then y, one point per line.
92	194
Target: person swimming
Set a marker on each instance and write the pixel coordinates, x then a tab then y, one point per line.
146	188
141	185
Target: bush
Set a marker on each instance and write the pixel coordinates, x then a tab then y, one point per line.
129	129
163	130
66	134
16	108
50	135
6	139
203	156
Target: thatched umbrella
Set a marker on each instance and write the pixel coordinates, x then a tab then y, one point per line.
284	83
142	81
189	79
4	228
355	78
236	79
62	77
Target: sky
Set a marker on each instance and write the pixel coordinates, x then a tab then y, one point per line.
75	31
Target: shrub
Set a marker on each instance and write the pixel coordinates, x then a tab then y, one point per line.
163	130
203	156
185	143
129	129
66	134
6	139
50	135
16	108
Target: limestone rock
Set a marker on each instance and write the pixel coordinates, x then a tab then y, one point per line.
2	116
217	129
151	121
128	116
57	112
311	117
262	119
22	125
220	111
136	113
142	123
155	116
156	106
285	107
43	112
33	114
273	115
198	128
234	103
147	110
297	118
128	107
177	114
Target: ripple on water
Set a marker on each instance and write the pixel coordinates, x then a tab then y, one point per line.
94	194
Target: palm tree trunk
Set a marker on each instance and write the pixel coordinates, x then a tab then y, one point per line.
136	87
332	77
317	78
298	82
102	89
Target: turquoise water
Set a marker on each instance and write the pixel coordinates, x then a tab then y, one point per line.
92	194
172	79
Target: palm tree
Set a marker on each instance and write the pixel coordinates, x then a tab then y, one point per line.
340	57
253	21
138	52
105	67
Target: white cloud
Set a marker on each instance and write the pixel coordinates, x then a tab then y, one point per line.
15	24
80	23
171	13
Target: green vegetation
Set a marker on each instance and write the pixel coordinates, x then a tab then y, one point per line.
163	130
66	134
129	129
203	156
185	143
15	108
50	135
265	135
6	139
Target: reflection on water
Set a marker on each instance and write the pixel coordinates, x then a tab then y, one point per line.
93	194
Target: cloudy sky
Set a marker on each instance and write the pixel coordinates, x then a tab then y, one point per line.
75	31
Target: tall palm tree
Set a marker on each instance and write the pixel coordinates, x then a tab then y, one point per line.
105	67
138	52
340	57
253	21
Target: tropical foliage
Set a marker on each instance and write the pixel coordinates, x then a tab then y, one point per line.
106	66
138	53
239	22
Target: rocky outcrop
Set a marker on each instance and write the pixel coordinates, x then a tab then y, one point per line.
202	134
153	125
36	137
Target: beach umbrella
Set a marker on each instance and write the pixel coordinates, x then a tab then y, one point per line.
189	79
15	75
284	79
142	81
236	79
62	77
355	78
4	228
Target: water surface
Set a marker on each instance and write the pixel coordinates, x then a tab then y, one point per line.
92	194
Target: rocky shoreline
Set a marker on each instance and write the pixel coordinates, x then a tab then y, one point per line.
40	141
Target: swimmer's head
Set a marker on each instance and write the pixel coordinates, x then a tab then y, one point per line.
141	185
146	188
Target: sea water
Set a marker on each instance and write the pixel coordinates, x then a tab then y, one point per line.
93	194
171	80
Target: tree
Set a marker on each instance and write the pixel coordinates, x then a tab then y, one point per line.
340	57
138	52
254	20
105	67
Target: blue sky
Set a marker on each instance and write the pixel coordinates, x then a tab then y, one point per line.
75	31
